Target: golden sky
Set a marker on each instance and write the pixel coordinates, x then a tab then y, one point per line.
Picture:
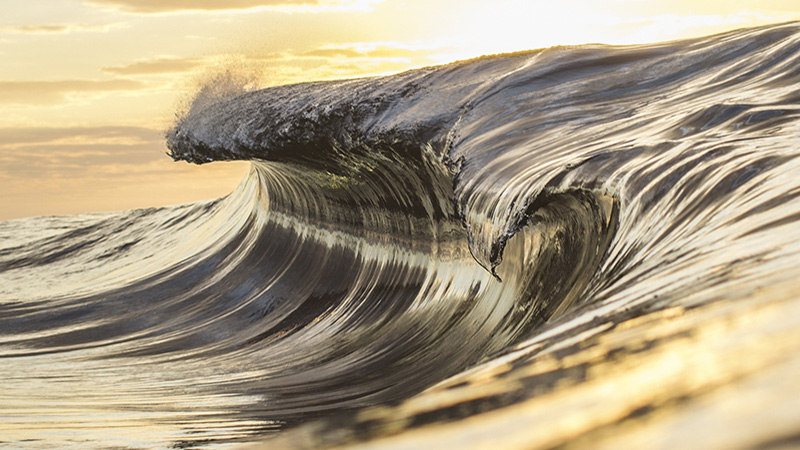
88	87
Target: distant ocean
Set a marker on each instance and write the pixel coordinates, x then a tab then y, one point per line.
585	246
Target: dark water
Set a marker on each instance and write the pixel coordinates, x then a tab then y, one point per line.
394	232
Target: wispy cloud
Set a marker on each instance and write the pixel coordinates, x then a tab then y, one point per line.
370	50
325	62
27	136
155	66
52	92
172	6
60	28
353	60
68	170
332	53
36	152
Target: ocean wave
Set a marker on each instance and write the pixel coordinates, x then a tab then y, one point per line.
412	252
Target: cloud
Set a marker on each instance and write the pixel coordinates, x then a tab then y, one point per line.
357	59
75	160
171	6
74	152
67	170
332	53
27	136
51	92
59	28
328	62
37	152
371	50
156	66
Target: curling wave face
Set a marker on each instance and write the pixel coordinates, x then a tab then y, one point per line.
394	232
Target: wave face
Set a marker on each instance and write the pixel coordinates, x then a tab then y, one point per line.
395	232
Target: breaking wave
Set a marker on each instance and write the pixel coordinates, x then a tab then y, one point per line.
395	232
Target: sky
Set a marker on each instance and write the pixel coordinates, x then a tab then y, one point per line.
89	87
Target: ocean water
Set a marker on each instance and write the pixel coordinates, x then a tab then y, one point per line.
585	246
